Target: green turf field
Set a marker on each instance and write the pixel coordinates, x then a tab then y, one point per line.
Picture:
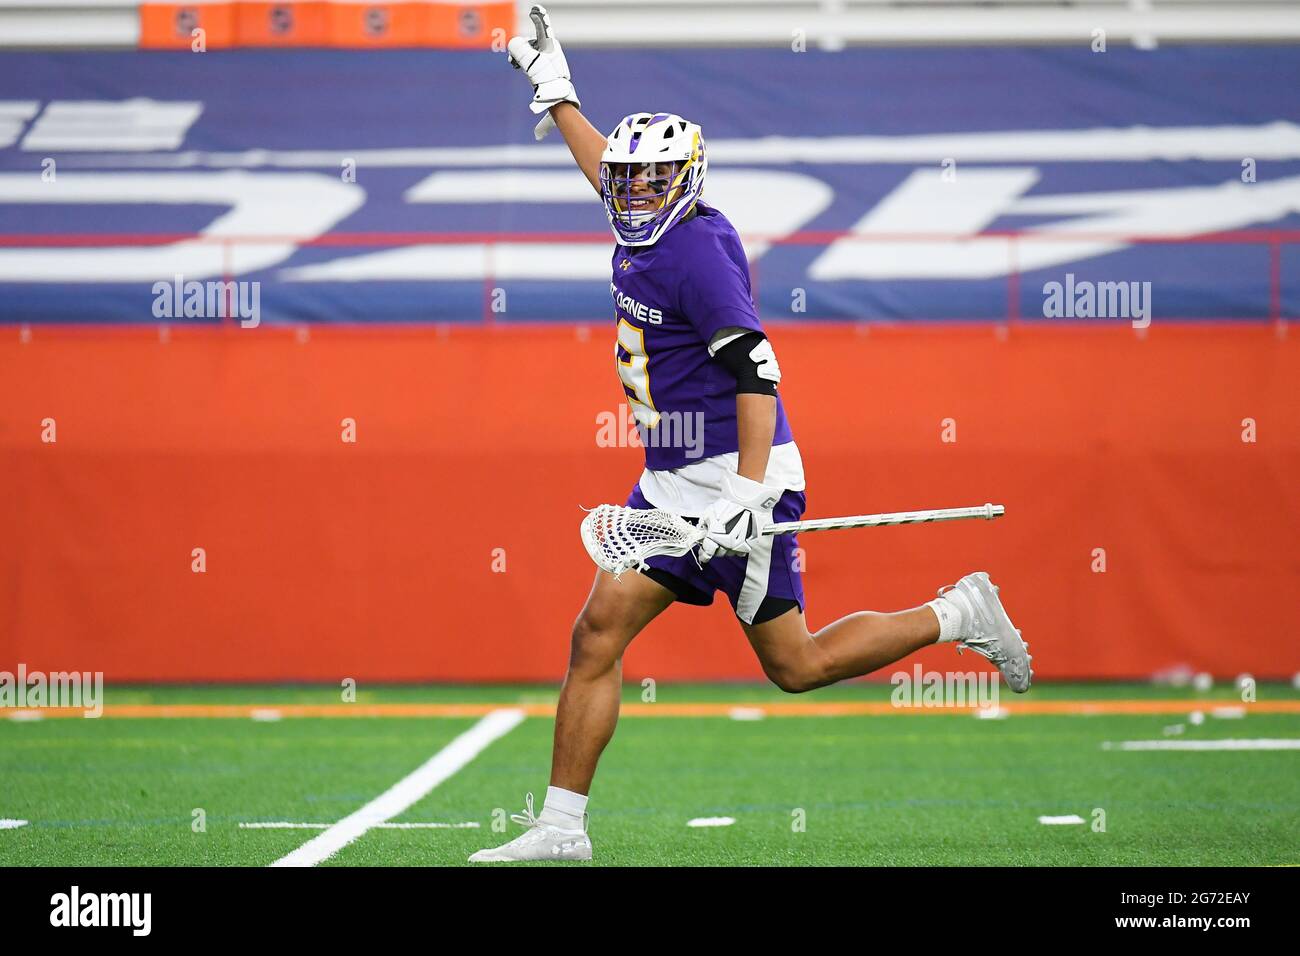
877	790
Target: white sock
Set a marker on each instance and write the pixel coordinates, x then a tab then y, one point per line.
952	618
563	808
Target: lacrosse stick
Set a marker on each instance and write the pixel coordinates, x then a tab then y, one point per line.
620	539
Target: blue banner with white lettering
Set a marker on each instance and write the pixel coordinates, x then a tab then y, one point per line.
892	185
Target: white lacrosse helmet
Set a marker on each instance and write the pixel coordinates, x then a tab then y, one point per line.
651	174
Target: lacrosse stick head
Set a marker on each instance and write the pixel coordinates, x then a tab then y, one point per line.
620	539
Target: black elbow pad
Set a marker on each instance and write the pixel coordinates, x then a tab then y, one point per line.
750	358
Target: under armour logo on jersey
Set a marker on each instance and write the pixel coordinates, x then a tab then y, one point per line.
625	264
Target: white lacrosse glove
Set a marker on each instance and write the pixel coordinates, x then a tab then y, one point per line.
737	518
543	60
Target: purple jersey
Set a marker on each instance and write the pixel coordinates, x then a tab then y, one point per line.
670	299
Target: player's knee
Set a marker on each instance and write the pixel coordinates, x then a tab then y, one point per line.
796	678
593	647
791	682
798	673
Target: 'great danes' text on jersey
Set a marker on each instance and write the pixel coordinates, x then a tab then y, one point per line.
670	299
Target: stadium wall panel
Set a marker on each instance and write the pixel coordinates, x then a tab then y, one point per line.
375	559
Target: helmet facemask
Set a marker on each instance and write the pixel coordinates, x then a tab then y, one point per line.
640	194
651	175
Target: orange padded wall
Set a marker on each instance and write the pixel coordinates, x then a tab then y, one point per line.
375	560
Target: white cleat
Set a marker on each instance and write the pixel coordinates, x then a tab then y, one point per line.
540	841
989	631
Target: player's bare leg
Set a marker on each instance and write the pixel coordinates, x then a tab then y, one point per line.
970	614
797	660
615	612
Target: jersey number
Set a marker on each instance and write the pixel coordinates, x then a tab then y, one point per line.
635	373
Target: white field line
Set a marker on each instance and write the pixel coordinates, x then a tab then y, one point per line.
1067	820
407	791
1228	713
288	825
1251	743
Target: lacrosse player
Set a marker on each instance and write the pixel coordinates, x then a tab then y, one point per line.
689	343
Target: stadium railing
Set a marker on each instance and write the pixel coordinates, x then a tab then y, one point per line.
1012	241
